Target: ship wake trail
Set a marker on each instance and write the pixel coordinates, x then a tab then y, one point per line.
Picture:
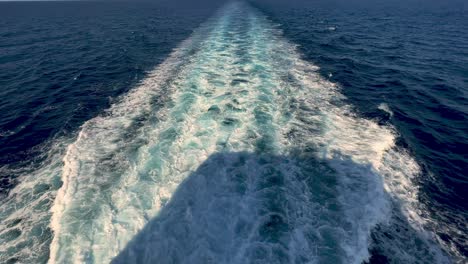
235	150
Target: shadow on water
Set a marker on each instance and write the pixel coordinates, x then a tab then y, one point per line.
261	208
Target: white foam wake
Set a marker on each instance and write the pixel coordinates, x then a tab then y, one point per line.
241	89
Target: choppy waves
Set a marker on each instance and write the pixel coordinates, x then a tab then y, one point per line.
233	150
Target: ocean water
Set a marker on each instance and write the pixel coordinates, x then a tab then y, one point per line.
235	132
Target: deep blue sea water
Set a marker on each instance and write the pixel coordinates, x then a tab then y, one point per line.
246	132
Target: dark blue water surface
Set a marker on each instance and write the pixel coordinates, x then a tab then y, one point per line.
62	63
413	57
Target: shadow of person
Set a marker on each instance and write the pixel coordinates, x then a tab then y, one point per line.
261	208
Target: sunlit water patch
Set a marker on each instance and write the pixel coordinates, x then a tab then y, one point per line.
234	150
